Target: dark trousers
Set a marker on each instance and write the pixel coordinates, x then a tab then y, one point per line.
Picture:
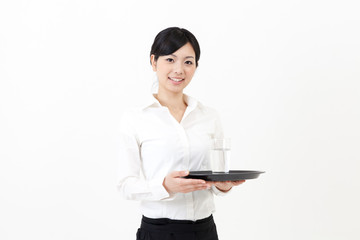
167	229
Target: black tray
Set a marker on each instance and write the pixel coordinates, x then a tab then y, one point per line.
233	175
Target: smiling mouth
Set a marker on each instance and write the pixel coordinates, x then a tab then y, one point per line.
176	79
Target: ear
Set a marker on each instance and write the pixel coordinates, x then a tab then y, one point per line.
153	62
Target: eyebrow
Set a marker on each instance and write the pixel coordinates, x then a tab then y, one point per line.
185	57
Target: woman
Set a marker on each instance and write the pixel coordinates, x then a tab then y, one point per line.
164	140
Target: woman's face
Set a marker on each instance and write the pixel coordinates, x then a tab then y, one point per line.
176	70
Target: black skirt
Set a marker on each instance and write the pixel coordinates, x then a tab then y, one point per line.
167	229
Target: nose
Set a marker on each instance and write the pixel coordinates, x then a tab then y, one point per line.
179	68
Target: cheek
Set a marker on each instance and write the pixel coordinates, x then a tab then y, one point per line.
190	72
162	72
162	77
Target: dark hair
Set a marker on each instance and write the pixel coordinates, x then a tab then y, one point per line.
171	39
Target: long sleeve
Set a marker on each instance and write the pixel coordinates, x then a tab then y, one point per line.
131	184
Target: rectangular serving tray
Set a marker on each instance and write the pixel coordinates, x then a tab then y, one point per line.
232	175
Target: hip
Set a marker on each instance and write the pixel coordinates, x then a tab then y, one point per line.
164	228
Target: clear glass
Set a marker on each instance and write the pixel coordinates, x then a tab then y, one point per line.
220	155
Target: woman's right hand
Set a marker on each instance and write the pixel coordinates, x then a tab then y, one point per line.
174	183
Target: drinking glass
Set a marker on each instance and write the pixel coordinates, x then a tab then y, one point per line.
220	155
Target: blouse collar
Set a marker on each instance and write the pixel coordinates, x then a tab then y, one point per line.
191	102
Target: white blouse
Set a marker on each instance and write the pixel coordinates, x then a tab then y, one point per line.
153	144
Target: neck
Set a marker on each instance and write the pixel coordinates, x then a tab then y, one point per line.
171	100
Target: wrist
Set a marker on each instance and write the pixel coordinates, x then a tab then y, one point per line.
166	187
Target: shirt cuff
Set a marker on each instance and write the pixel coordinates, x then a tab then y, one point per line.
159	191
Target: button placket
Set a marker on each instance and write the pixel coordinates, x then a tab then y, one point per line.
186	160
186	164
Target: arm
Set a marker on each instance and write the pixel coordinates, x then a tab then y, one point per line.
133	186
173	183
130	183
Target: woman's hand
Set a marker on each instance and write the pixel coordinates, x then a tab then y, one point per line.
227	185
174	183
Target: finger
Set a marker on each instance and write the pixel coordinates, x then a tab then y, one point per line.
239	182
191	181
191	188
179	174
194	188
194	185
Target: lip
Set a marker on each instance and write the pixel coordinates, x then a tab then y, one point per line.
175	82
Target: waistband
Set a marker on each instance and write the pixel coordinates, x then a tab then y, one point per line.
169	225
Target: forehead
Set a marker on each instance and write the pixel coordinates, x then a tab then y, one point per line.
187	50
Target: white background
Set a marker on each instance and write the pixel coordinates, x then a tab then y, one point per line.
283	74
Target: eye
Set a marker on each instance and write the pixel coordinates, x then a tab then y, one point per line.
188	62
170	60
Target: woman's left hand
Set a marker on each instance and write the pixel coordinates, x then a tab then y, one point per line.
227	185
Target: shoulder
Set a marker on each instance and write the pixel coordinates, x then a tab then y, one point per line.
208	110
198	105
129	116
